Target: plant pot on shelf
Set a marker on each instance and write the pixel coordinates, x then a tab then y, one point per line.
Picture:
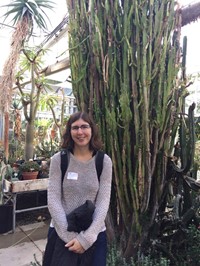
29	170
29	175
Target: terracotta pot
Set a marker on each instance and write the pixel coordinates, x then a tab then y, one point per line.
29	175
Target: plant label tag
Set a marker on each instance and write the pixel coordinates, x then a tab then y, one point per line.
72	176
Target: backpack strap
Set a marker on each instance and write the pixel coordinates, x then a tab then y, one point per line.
99	163
65	162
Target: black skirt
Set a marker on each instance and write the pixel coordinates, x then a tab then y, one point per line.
56	254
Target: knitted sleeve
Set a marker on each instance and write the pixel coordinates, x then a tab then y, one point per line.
88	237
55	202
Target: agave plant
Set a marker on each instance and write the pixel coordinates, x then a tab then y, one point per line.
32	10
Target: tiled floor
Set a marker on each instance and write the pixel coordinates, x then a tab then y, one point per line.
23	246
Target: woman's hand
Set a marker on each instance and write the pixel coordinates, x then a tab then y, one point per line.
75	246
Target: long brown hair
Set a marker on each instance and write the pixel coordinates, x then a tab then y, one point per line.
95	142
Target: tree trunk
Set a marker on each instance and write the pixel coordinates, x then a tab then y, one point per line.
9	67
110	227
6	135
29	146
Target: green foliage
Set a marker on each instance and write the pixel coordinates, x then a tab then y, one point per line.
29	55
6	171
46	123
29	166
34	10
190	252
47	148
48	101
16	150
115	258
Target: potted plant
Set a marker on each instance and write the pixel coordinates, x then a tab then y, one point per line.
29	170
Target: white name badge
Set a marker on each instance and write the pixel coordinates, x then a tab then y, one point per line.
72	176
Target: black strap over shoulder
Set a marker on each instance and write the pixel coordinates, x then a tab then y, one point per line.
64	162
99	163
99	156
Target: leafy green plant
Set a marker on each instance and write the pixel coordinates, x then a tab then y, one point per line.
115	258
6	172
44	122
16	150
193	245
29	166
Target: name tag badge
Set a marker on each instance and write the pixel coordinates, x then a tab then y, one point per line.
72	176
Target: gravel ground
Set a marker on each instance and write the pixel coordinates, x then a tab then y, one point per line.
30	200
30	217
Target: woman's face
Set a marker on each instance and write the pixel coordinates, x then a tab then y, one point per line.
81	133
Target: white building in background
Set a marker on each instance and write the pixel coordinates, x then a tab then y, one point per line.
69	99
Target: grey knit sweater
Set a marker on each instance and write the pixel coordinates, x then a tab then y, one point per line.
80	184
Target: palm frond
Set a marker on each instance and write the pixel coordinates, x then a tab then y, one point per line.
33	9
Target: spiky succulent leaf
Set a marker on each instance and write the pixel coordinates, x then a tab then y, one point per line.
32	9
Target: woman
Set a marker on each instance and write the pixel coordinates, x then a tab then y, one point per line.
80	184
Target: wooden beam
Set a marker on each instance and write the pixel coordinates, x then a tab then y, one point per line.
57	67
57	38
29	185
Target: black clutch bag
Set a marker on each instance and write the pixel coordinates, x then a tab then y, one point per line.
81	218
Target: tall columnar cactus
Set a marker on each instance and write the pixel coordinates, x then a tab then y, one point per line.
125	58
